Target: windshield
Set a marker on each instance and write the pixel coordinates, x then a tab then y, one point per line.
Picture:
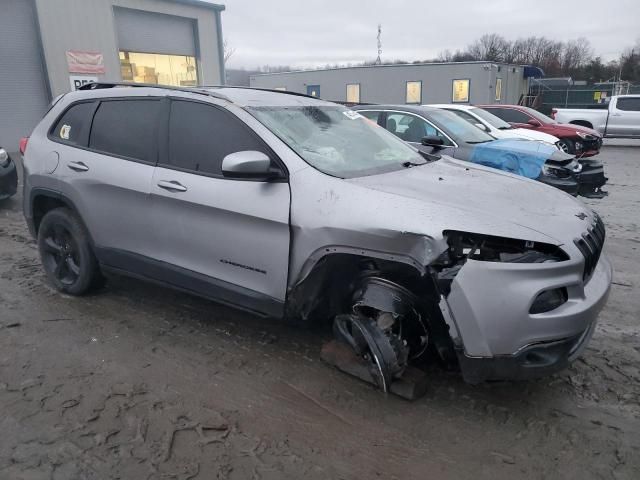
540	116
338	141
460	130
491	119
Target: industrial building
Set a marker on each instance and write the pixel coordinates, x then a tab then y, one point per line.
51	47
454	82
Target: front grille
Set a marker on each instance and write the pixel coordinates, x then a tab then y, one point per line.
591	246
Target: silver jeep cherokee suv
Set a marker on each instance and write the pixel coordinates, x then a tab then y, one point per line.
288	206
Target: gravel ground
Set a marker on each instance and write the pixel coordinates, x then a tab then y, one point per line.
141	382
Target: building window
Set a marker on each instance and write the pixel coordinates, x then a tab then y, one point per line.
155	68
498	89
414	92
461	90
313	90
280	89
353	93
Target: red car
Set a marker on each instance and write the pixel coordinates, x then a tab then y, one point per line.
574	139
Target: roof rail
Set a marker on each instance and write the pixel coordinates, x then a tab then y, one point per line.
297	94
198	90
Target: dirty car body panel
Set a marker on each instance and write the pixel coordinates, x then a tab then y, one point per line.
409	220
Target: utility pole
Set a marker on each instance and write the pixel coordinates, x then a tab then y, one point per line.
379	60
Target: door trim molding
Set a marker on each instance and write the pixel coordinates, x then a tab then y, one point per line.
145	268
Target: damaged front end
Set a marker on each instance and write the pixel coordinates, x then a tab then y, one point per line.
583	177
391	324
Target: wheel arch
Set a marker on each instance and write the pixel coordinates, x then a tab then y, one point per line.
582	123
43	200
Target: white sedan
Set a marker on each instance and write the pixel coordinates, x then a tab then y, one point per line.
495	126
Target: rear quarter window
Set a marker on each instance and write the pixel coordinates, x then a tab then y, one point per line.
73	126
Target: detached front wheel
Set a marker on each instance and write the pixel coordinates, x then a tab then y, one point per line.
66	254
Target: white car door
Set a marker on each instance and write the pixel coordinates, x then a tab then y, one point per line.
624	117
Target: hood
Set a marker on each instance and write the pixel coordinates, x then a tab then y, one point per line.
454	195
533	135
570	129
514	155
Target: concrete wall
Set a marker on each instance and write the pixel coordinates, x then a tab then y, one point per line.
387	83
88	25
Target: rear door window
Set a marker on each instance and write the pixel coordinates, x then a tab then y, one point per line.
201	135
510	115
73	126
127	128
630	104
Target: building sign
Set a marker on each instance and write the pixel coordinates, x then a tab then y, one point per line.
461	91
78	80
85	62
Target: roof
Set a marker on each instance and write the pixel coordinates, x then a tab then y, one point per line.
202	4
403	107
395	65
452	106
241	96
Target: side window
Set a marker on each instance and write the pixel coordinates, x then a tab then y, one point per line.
630	104
411	128
73	126
201	135
373	116
470	118
126	128
510	115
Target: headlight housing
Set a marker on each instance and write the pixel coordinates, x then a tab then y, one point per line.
582	135
489	248
4	158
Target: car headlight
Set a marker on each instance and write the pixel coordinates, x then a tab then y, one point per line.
558	172
489	248
582	135
4	158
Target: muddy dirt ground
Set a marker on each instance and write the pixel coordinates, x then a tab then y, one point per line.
141	382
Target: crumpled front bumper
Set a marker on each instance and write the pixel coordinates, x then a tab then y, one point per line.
495	336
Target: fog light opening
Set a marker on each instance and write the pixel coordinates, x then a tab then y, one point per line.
549	300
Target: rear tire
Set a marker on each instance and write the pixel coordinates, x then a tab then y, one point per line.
567	146
66	254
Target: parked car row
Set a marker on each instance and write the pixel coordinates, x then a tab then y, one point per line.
464	133
289	206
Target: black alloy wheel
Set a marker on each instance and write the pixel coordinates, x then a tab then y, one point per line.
66	253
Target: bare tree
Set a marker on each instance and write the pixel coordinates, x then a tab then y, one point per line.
228	50
490	47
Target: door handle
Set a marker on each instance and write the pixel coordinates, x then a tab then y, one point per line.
78	166
172	186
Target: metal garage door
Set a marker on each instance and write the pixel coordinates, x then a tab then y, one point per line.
147	32
23	89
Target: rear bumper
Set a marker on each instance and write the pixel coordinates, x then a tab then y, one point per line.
8	180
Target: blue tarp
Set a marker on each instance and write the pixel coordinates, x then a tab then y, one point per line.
522	157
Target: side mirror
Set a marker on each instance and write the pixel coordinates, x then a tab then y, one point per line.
249	164
432	141
534	123
481	127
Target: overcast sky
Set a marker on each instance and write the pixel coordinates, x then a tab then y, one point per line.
305	33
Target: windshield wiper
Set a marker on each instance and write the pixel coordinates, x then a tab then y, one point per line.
479	141
505	128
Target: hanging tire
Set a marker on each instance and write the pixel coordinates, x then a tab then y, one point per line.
567	146
66	254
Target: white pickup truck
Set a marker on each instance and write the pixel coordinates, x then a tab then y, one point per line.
620	120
